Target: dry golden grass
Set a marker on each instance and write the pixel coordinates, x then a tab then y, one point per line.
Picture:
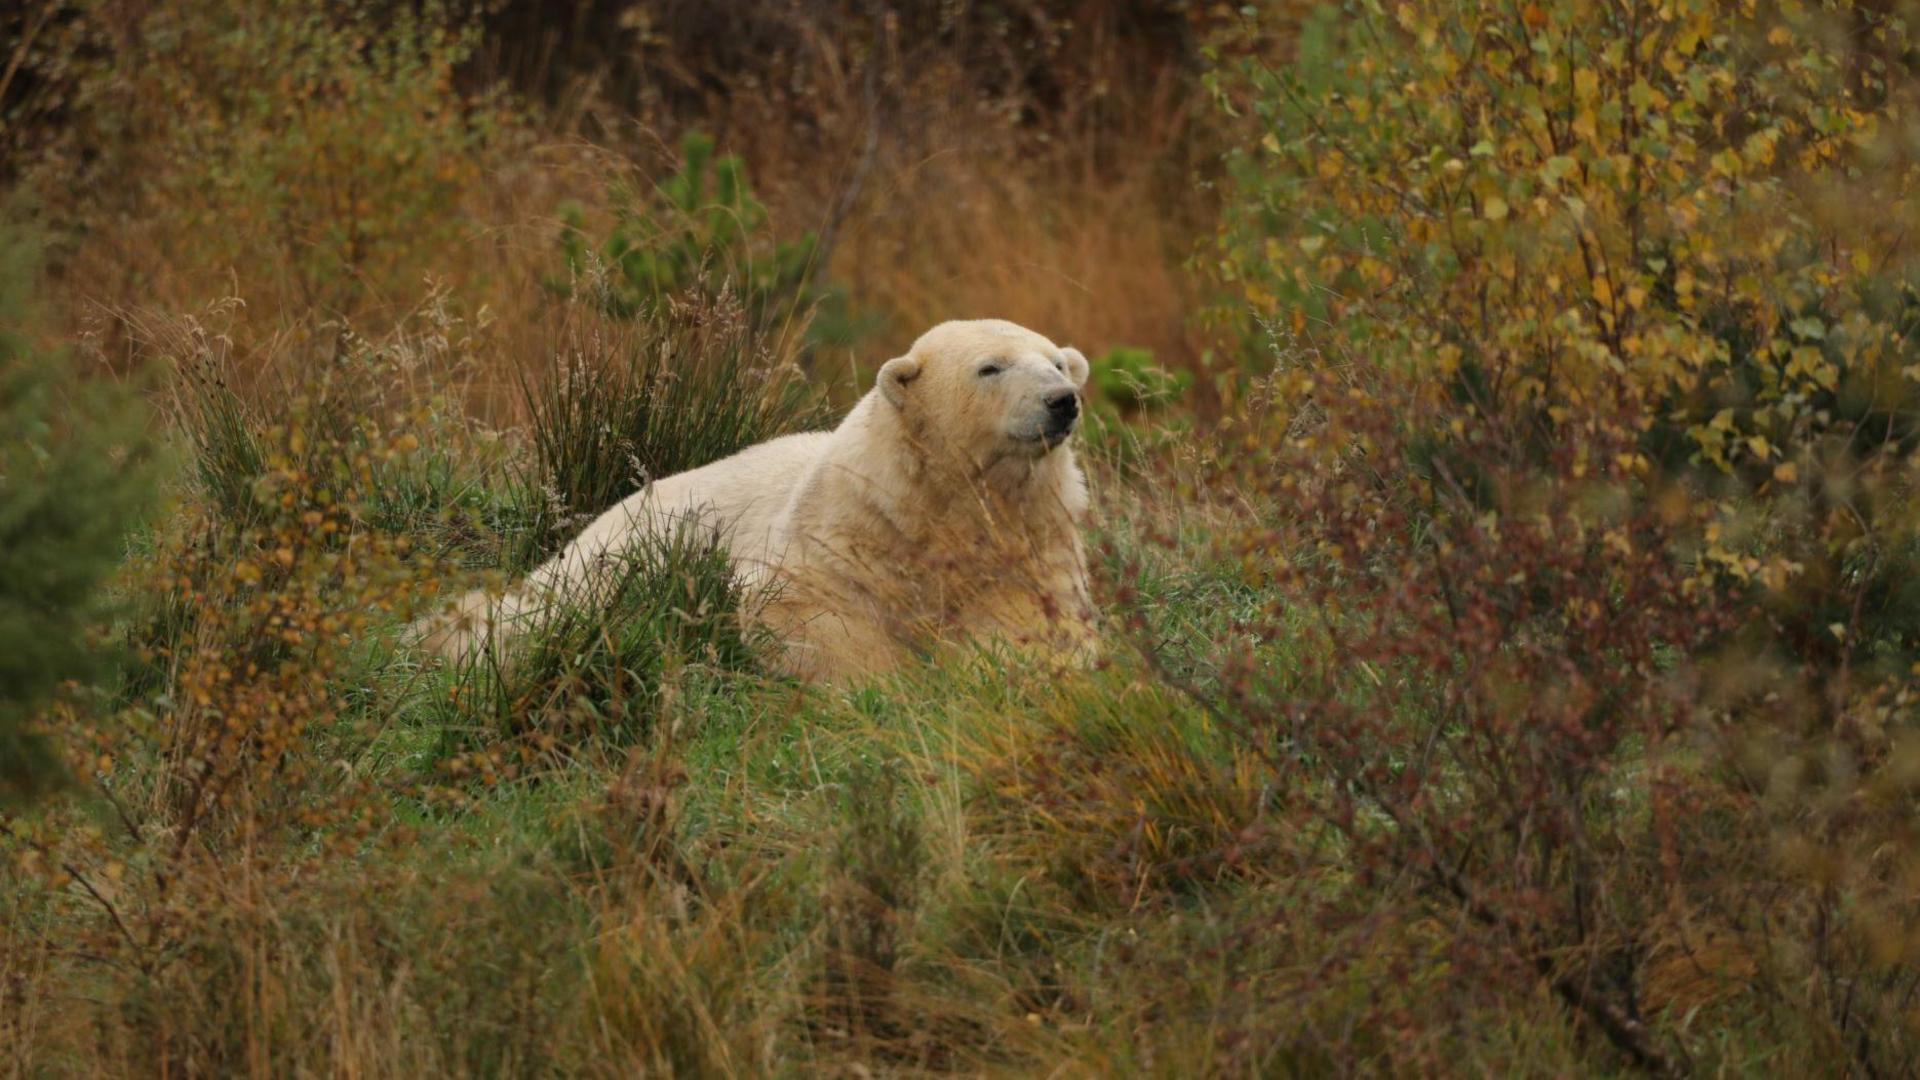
1088	259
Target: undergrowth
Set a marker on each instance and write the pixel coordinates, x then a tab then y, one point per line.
1509	640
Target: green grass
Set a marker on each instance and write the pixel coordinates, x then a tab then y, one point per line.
620	404
620	845
628	848
976	864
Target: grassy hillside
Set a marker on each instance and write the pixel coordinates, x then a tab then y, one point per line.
1503	440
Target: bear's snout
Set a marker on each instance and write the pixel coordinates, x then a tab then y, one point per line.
1063	408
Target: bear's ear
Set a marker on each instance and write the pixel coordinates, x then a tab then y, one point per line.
895	374
1076	365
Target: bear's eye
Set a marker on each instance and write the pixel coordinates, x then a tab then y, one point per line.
991	367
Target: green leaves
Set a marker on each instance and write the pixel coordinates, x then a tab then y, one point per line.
77	472
701	230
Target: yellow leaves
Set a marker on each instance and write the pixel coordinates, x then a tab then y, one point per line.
1557	168
1374	271
1808	362
1494	208
1786	473
1776	573
1645	98
1586	85
1734	564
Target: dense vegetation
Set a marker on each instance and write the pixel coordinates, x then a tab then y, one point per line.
1505	448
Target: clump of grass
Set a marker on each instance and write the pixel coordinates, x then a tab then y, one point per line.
1123	795
869	895
224	438
624	403
681	994
597	661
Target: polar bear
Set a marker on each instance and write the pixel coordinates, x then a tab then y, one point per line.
946	505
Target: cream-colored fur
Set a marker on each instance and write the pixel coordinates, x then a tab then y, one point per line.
947	504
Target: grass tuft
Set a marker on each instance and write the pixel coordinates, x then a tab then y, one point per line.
624	403
601	662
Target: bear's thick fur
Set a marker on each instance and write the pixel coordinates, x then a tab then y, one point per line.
946	505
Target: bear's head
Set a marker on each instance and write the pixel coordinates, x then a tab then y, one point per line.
986	390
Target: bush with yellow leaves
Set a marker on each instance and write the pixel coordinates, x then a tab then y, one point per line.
1591	438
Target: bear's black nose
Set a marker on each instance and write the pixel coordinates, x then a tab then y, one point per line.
1063	408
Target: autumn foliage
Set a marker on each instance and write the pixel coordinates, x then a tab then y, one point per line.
1589	451
1503	445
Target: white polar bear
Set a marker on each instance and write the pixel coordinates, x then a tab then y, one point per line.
947	504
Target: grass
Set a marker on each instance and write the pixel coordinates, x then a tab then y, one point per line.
628	849
599	659
624	402
294	845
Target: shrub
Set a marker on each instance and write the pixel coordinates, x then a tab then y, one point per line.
699	231
1128	418
1128	379
219	766
261	604
76	473
327	182
1588	444
386	402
